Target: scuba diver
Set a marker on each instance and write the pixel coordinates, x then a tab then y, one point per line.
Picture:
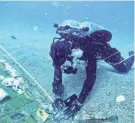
85	41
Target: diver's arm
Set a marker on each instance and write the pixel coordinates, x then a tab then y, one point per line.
88	84
90	79
58	87
57	74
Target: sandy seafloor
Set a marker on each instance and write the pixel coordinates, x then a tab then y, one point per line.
31	50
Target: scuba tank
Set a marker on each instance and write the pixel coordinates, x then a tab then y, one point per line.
86	29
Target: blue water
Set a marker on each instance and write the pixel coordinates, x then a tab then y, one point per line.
23	16
31	49
113	15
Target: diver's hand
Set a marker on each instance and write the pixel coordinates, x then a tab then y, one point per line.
58	104
72	109
69	70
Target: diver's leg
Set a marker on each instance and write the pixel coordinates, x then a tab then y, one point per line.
114	58
58	55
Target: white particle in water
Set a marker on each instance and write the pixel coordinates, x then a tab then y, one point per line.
35	28
120	98
46	14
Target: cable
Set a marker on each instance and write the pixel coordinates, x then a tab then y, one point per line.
26	72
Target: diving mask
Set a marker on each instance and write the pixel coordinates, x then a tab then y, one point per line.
71	30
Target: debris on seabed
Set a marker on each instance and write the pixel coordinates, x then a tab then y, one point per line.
96	118
1	77
42	114
3	94
15	81
8	82
120	98
17	116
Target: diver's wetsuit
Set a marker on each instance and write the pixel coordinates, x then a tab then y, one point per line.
92	46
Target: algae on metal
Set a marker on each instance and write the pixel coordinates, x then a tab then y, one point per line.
21	108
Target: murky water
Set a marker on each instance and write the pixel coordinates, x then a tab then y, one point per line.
26	33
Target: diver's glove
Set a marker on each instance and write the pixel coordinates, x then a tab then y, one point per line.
59	103
69	70
72	109
58	89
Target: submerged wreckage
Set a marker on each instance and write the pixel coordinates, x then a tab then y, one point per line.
20	99
23	101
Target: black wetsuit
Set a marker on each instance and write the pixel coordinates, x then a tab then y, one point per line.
93	45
